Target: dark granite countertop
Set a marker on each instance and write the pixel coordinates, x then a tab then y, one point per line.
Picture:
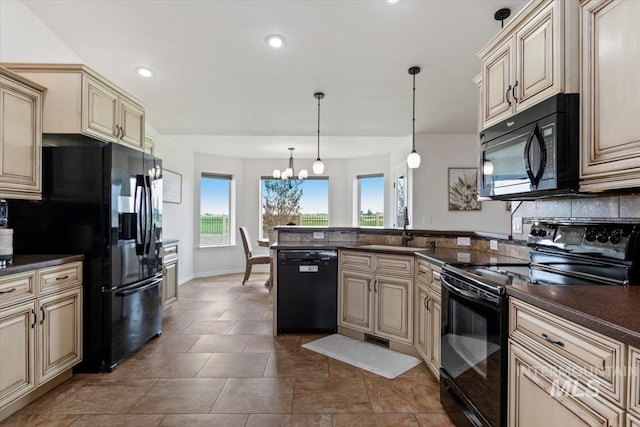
306	245
441	256
22	263
609	310
398	231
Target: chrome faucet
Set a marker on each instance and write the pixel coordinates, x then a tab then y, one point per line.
406	236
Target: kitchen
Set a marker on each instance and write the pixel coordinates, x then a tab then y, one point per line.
428	210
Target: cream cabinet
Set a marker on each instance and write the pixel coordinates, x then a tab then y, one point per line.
81	101
633	384
41	334
169	274
20	137
532	58
149	145
610	95
428	314
561	373
375	294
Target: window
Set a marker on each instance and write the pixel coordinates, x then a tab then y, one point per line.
371	201
215	210
294	202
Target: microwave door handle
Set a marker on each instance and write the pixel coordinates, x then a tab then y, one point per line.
543	155
533	179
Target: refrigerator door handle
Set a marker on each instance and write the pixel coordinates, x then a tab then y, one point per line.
136	289
138	205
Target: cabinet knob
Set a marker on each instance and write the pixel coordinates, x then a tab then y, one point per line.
513	92
506	95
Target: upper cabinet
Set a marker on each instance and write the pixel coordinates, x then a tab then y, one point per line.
532	58
20	137
610	95
81	101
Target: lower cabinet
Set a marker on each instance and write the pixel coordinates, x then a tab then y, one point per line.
40	337
376	300
428	315
170	275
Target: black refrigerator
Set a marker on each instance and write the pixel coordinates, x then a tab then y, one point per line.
103	201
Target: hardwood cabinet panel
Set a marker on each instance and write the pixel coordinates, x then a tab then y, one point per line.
355	300
393	300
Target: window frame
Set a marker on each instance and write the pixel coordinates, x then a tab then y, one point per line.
232	220
359	200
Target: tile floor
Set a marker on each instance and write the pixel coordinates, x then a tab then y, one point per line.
217	364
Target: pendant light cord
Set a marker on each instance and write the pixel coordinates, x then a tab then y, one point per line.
318	128
414	114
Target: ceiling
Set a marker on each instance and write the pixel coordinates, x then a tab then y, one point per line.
216	76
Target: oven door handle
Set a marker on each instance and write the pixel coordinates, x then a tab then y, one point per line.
468	295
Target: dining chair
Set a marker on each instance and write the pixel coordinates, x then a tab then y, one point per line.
250	259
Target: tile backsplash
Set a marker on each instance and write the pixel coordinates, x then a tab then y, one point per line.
608	207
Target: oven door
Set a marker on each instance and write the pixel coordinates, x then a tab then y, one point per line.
473	339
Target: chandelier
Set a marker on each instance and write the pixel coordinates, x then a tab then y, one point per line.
289	172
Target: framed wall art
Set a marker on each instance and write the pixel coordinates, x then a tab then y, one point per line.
171	187
463	189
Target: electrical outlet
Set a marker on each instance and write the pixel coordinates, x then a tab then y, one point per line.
493	245
464	241
516	225
318	234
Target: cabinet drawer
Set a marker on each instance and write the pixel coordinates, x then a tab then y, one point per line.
394	264
356	260
585	354
63	276
17	288
170	254
435	284
423	272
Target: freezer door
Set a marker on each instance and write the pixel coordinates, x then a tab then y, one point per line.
153	170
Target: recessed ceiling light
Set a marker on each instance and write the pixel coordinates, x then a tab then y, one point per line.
275	41
391	2
145	72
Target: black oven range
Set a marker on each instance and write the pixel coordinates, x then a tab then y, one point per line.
474	331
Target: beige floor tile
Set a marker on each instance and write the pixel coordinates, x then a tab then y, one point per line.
198	314
330	395
253	327
171	365
18	420
167	344
234	365
255	396
268	343
209	327
179	395
434	420
303	364
220	344
402	395
119	420
97	395
242	315
375	420
340	369
202	420
173	325
267	315
289	420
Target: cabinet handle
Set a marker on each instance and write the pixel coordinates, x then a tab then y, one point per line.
35	318
9	291
375	285
43	315
513	92
62	277
506	95
426	303
369	285
164	270
558	343
422	271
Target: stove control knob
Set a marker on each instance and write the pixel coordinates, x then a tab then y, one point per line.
542	233
591	235
615	237
603	237
535	231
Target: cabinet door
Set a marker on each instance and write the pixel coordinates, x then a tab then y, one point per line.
610	88
170	284
20	140
536	67
539	396
59	334
132	124
355	300
17	351
394	308
496	80
423	318
99	110
434	333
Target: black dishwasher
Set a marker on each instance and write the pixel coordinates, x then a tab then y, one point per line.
307	291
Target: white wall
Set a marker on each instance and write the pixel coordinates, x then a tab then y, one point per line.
430	194
25	38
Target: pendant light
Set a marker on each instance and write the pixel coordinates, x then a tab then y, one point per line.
290	170
413	159
318	166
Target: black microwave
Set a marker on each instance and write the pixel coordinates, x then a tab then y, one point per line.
534	153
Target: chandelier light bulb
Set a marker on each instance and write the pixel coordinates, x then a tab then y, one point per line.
276	173
303	174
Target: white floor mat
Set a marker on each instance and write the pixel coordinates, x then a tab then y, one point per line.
370	357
